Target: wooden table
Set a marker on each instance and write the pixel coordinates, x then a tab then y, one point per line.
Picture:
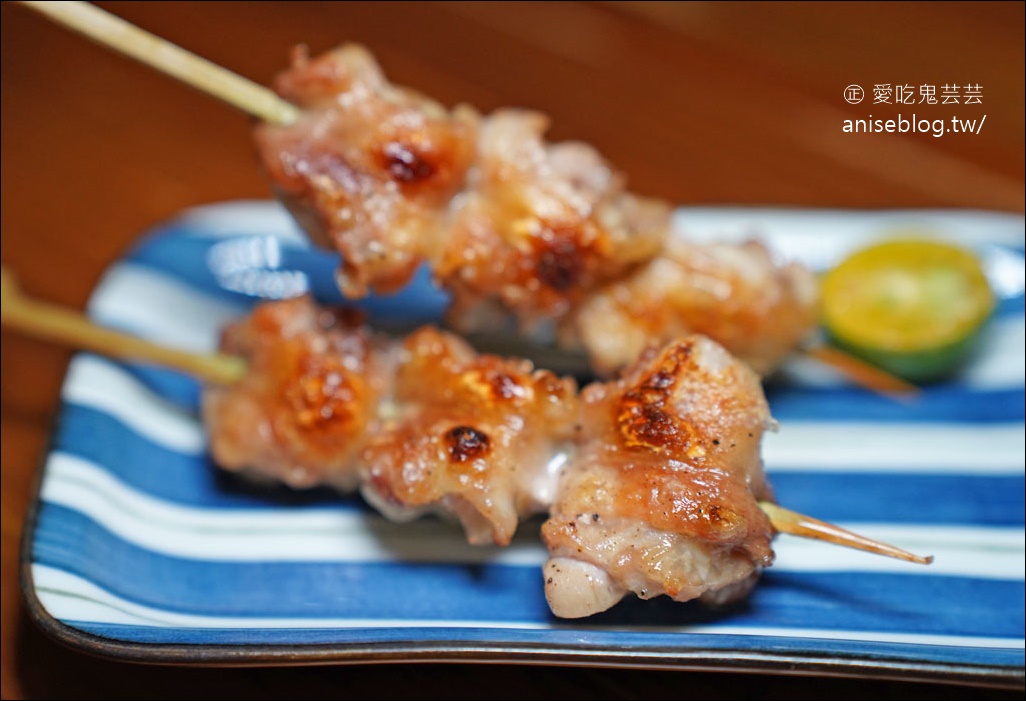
734	103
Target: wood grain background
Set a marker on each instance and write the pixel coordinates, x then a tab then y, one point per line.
701	103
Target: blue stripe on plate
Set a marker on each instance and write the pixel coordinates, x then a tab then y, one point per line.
944	403
67	540
577	639
167	474
174	251
898	603
1010	306
889	496
177	387
884	495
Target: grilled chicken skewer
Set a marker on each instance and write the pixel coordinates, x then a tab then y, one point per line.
535	231
654	481
515	228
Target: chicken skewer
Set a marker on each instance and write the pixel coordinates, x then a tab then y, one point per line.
512	226
653	482
518	230
540	228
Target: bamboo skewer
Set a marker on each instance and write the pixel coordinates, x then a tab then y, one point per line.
114	32
263	103
794	523
54	323
862	373
71	328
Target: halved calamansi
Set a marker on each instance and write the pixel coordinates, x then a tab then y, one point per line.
912	307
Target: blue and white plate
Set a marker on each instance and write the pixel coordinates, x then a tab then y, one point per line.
139	548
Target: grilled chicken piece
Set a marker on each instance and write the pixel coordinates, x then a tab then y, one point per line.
735	294
473	435
316	382
539	226
661	495
368	169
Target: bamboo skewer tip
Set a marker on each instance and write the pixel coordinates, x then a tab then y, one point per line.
794	523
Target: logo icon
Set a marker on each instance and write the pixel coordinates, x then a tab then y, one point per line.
854	94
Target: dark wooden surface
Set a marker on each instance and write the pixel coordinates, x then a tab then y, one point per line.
731	103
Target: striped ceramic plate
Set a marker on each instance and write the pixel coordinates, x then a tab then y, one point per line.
140	549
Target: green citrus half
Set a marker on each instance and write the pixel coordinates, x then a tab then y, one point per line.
912	307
